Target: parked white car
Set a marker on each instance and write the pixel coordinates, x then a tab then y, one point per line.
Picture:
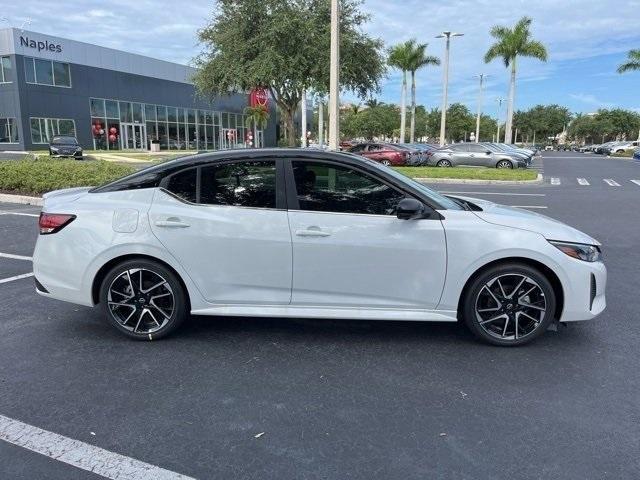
306	233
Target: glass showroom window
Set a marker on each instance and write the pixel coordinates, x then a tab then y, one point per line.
44	129
47	72
5	70
8	130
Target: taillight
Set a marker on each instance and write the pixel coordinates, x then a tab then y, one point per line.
53	222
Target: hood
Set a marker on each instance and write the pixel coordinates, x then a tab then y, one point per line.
64	196
525	220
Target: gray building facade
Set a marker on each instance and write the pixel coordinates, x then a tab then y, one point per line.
111	100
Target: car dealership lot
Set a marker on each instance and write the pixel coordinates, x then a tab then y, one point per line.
340	399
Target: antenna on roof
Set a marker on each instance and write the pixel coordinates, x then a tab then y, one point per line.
24	24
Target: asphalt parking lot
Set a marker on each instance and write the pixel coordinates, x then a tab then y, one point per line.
309	399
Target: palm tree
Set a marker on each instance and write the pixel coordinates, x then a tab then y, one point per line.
511	43
633	64
373	103
418	59
257	117
355	109
400	58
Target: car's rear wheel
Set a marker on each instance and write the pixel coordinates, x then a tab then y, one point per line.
509	305
504	164
385	162
444	163
143	299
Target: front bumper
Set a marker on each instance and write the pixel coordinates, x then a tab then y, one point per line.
584	296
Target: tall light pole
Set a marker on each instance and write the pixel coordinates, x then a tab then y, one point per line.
334	77
499	100
445	91
303	119
482	76
320	123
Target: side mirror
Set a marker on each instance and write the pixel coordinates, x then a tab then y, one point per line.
410	208
488	152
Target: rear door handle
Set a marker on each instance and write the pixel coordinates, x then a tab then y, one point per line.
171	223
312	232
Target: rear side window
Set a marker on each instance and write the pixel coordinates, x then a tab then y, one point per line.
183	185
243	184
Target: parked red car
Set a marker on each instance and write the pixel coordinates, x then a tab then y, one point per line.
385	153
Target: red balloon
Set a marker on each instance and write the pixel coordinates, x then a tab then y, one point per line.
113	130
112	138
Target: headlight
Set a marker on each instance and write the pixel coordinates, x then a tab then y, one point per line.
588	253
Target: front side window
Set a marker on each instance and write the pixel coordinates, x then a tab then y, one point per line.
324	187
242	184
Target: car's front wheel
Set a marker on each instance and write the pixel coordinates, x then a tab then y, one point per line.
444	163
504	164
143	299
508	305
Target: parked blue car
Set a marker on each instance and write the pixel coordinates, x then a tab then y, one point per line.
636	155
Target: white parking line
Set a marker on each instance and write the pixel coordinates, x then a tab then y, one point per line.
528	206
498	193
637	182
611	183
20	214
80	454
555	181
583	181
17	277
15	257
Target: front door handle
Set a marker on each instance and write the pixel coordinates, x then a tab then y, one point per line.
312	232
171	223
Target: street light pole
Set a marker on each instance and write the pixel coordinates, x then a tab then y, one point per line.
482	76
320	123
499	100
303	119
443	118
334	77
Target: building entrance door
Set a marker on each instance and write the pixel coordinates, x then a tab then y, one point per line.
229	138
134	136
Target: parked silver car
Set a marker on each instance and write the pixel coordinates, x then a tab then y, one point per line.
476	155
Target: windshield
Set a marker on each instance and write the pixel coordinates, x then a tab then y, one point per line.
432	194
64	141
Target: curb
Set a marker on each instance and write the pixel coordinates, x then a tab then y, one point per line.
537	181
20	199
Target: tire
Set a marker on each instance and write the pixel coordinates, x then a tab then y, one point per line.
386	163
150	313
443	163
497	326
504	164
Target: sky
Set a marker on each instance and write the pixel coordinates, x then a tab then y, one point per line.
586	41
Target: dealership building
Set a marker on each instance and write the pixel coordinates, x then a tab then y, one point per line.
111	100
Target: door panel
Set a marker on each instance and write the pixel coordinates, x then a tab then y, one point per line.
233	254
366	260
350	249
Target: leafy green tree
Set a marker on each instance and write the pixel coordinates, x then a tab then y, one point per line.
460	122
379	121
284	45
510	44
542	121
488	127
632	63
401	57
417	60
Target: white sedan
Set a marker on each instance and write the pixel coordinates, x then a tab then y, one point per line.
309	234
